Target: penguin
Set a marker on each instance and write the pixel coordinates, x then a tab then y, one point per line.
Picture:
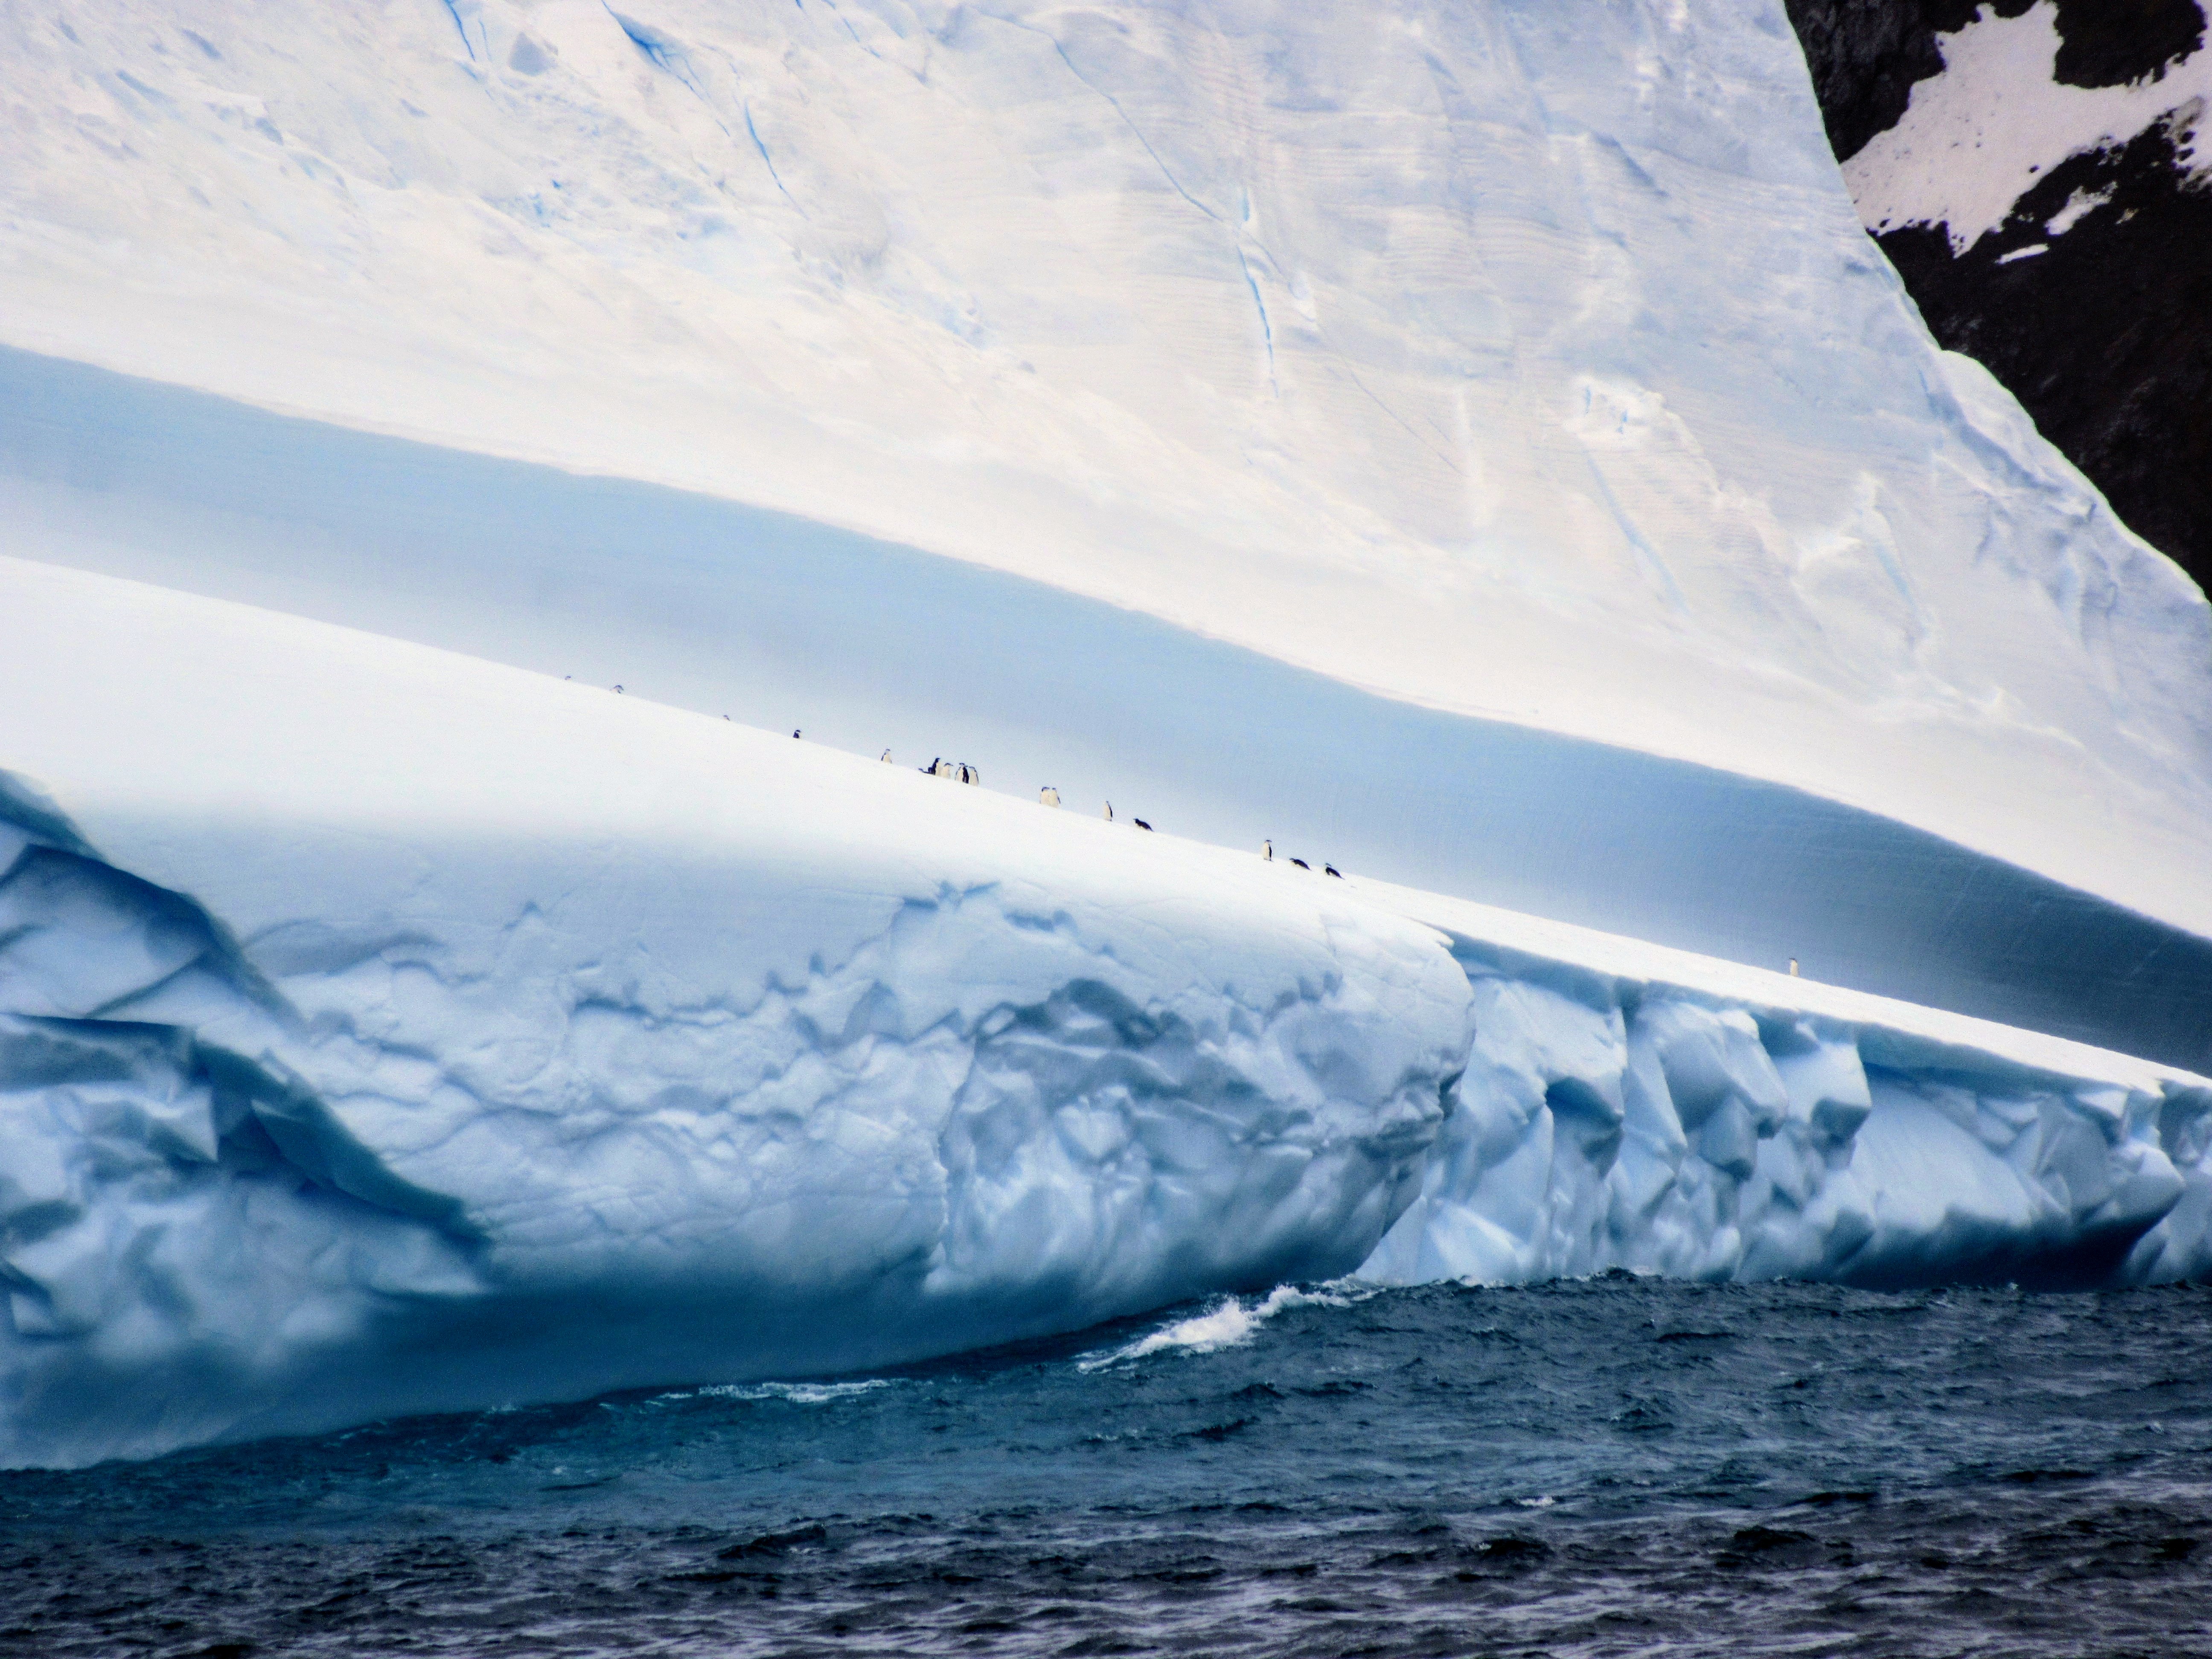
1331	870
1109	811
725	717
1301	863
1793	967
1049	796
618	691
885	757
968	774
794	732
1267	851
1140	823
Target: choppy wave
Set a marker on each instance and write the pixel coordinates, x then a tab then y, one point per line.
1321	1470
1230	1321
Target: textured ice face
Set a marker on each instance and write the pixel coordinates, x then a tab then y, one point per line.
489	1038
1607	1121
433	1035
980	1121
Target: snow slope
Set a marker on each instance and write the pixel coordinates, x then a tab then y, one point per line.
1501	358
786	622
383	1030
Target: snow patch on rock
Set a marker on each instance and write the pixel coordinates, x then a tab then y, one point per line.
1974	139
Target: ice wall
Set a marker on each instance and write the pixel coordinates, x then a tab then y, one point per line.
1619	1111
385	1030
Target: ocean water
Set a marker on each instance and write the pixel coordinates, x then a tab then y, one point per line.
1616	1466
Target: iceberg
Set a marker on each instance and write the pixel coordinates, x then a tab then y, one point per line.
1515	364
382	1030
386	1030
1472	442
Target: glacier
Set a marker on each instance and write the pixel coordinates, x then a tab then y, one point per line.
1474	443
382	1030
1515	362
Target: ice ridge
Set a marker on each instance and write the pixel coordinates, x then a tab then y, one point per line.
437	1036
777	620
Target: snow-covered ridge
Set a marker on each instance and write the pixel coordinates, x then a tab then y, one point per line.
783	622
382	1030
1507	359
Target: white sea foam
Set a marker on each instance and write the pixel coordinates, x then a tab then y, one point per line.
1229	1323
796	1393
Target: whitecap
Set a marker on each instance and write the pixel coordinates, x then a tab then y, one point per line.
1228	1323
799	1394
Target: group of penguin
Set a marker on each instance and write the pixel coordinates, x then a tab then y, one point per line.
961	772
1050	797
1268	852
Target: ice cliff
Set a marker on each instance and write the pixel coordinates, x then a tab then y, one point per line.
1477	434
1624	1106
382	1030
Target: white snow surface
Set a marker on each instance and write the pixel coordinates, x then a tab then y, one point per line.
1504	358
383	1030
1975	138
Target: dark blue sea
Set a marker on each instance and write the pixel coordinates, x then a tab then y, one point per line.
1615	1467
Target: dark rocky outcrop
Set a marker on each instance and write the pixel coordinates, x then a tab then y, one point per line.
1866	54
2106	335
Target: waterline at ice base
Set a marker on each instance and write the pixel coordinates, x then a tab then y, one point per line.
388	1031
1472	447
